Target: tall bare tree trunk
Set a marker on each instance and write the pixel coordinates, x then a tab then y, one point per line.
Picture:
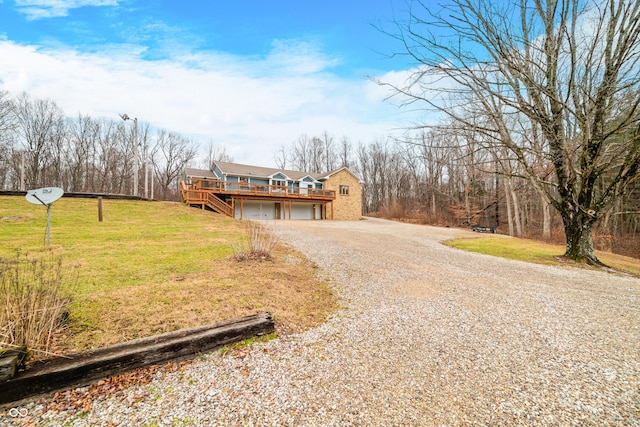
507	183
546	217
433	204
517	218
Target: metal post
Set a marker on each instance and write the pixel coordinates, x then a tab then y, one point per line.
49	225
146	175
135	157
22	171
135	152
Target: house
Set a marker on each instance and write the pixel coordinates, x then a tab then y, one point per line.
253	192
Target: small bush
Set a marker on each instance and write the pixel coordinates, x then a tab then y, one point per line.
33	302
257	243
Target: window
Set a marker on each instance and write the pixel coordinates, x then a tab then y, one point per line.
344	190
279	183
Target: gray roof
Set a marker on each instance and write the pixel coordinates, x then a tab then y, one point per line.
199	173
237	169
261	172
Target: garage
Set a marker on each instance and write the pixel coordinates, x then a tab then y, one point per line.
264	210
256	209
302	211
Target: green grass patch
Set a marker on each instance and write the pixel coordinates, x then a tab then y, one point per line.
240	345
536	252
619	262
137	242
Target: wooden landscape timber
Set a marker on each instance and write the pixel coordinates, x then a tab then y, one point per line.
82	369
10	360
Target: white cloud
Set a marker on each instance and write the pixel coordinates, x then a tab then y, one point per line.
251	105
40	9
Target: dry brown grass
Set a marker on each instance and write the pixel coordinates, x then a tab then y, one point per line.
257	243
32	302
286	286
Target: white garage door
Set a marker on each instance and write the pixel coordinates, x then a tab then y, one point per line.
256	210
302	211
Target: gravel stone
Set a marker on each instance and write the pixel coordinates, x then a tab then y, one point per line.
426	335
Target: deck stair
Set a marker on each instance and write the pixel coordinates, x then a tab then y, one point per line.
205	198
218	205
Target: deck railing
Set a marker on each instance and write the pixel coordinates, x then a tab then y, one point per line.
198	188
197	197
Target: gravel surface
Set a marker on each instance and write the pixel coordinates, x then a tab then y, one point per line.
426	336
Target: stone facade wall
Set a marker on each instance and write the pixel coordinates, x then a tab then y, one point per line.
345	206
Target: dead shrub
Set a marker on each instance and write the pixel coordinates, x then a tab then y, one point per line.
34	302
257	243
394	210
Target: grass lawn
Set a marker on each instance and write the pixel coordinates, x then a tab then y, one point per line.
537	252
153	267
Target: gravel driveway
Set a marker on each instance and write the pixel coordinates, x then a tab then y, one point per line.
426	336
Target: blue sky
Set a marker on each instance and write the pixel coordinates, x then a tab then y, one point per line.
250	75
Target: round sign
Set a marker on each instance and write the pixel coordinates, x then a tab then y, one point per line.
44	196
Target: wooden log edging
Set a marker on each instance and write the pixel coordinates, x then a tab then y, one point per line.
10	360
84	368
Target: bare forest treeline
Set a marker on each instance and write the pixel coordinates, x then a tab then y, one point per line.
438	176
441	177
40	147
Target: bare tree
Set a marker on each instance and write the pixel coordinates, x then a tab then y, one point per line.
363	168
171	154
281	157
7	125
377	166
301	153
57	154
314	154
84	136
38	125
569	66
111	166
345	156
434	153
318	155
329	155
216	153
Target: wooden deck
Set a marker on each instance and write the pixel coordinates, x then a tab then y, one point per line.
214	192
238	188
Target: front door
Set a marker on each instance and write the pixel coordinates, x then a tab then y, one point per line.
278	213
